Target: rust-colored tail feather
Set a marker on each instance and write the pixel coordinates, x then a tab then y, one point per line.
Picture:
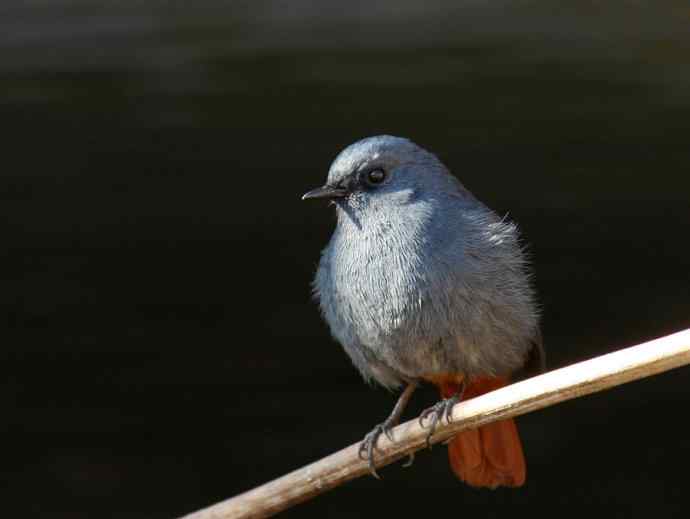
490	456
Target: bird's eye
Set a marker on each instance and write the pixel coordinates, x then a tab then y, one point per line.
375	176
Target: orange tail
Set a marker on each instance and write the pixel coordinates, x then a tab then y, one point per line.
490	456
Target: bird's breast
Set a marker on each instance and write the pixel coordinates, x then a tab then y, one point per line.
385	283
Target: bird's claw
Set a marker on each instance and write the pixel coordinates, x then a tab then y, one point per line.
437	412
410	460
368	445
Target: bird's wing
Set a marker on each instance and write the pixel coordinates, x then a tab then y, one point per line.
536	360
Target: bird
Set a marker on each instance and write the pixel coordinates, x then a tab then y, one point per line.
423	283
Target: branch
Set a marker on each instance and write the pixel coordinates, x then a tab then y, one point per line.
550	388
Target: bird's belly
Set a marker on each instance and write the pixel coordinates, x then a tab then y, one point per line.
418	328
389	319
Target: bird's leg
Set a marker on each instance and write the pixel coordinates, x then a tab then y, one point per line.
440	410
368	445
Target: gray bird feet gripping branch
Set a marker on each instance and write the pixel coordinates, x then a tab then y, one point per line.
439	411
368	445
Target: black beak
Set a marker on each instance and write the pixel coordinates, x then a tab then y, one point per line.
328	192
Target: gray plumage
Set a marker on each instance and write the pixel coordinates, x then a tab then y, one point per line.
420	278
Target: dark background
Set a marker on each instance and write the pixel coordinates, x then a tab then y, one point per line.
160	350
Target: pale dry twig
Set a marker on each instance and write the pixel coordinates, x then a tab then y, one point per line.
550	388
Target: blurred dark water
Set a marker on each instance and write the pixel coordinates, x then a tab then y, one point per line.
160	348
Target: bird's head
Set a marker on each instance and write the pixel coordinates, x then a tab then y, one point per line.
383	173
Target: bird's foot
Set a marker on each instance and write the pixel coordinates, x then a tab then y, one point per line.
368	446
437	412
